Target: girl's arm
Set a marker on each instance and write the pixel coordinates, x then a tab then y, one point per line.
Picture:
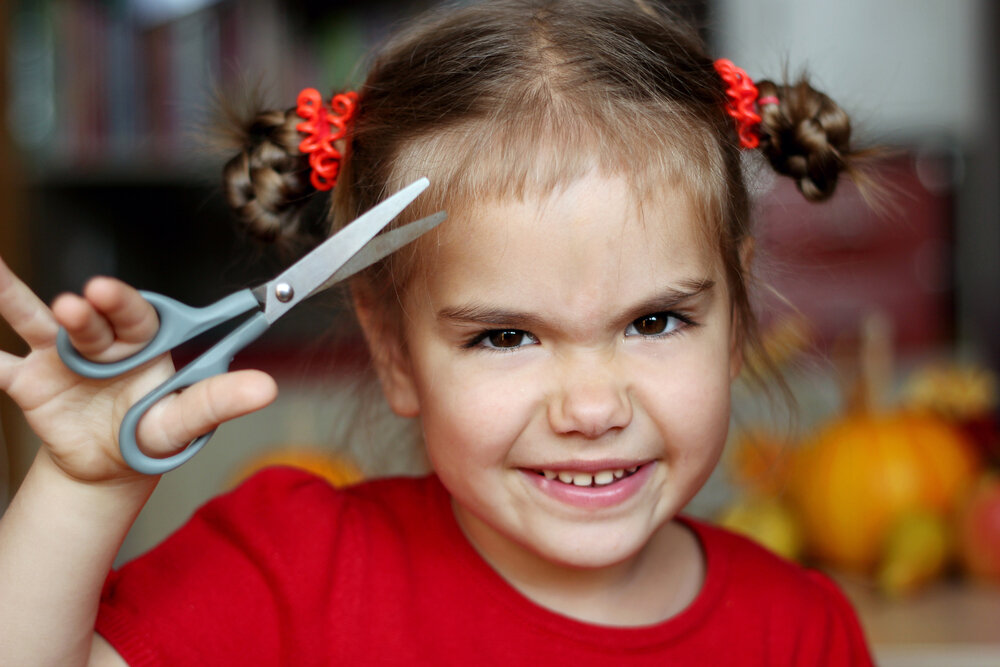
58	539
64	526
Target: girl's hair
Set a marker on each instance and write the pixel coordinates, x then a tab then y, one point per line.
515	97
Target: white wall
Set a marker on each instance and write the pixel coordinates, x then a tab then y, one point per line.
904	68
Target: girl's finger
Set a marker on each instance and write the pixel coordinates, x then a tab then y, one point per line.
109	322
133	319
88	330
25	312
200	408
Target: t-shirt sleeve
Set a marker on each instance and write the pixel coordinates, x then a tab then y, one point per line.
778	612
843	640
226	588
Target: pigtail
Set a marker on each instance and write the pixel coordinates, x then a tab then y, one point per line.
267	182
283	157
801	131
806	136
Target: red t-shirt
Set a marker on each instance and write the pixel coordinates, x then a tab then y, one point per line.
287	570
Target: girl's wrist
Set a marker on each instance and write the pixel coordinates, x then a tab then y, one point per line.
116	493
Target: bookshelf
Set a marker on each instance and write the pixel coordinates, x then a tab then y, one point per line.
118	89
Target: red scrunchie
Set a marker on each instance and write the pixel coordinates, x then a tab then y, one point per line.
742	96
323	128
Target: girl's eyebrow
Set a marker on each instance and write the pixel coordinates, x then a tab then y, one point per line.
670	298
480	314
665	300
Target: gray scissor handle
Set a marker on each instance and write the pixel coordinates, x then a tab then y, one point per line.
179	323
213	362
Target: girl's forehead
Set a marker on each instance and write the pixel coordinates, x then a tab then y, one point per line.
596	203
589	223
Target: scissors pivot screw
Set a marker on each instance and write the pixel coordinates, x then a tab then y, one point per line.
284	292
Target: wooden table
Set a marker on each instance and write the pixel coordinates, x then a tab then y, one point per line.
950	624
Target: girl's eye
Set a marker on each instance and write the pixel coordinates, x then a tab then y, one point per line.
503	339
657	324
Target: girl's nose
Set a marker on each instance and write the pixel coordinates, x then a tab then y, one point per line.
590	403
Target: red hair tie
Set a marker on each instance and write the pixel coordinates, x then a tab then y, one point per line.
742	96
323	128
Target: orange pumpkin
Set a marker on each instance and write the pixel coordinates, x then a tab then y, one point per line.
860	473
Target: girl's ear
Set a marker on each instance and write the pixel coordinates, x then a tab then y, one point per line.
392	363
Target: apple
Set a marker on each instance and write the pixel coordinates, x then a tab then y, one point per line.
979	529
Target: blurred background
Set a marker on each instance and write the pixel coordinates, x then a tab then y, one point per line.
108	166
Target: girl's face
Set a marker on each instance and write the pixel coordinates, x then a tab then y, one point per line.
570	362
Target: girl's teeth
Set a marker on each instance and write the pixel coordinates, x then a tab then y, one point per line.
604	477
601	478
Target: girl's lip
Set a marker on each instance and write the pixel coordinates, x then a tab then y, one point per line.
592	497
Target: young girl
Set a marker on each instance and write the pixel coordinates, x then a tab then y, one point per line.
567	340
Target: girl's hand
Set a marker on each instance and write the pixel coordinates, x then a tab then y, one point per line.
78	418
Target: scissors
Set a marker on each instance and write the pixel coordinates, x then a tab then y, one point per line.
352	249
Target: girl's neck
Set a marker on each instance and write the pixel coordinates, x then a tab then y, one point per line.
653	585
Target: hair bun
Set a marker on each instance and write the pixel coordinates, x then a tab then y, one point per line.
266	183
805	136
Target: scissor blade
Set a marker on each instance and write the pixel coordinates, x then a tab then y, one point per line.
315	268
382	246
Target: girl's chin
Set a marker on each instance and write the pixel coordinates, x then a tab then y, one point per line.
555	542
587	549
589	562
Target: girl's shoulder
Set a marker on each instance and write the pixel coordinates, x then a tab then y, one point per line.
766	593
276	562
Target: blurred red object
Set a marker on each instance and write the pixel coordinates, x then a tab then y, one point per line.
979	530
837	261
985	433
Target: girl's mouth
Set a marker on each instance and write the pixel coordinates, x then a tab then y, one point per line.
597	478
591	489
